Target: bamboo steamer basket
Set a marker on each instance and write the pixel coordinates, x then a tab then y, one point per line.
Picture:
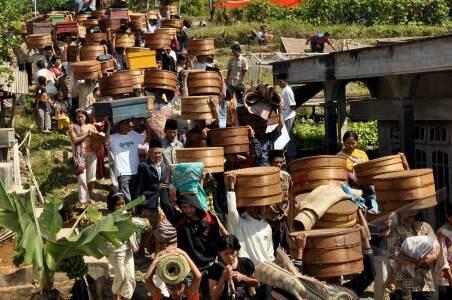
90	69
151	15
172	9
160	79
257	186
171	31
82	18
137	25
156	41
173	23
107	66
204	83
113	24
196	108
96	37
137	77
39	41
343	214
409	187
118	83
137	16
98	13
91	23
366	171
233	139
92	51
197	47
311	172
124	40
211	157
329	252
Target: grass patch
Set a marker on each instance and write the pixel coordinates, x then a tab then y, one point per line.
225	35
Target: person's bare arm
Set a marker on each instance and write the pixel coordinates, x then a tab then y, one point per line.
217	287
331	45
249	280
196	282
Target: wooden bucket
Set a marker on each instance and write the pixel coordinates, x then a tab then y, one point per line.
409	187
204	83
160	79
233	139
92	51
258	186
118	83
39	41
329	252
156	41
211	157
311	172
90	69
196	108
197	47
366	171
125	40
343	214
96	37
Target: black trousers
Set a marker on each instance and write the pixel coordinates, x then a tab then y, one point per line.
444	293
422	296
317	47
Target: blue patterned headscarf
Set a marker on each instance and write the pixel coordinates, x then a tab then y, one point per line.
186	178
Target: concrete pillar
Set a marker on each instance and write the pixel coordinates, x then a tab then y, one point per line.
334	93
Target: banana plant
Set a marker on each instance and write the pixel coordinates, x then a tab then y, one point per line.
36	240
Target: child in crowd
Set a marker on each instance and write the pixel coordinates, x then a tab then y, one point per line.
177	291
231	276
121	258
62	109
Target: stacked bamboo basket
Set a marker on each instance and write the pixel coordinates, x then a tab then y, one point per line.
211	157
258	186
232	139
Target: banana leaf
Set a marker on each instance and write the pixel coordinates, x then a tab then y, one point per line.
50	219
20	217
94	240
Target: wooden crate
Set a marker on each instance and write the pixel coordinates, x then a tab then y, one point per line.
123	109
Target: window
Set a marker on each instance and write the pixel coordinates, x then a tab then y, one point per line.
420	159
419	135
438	135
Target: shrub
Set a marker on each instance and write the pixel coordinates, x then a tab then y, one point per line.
367	12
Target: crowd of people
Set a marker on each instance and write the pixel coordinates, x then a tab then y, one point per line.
221	243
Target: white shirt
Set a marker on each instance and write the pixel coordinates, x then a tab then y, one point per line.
50	77
255	236
125	152
289	100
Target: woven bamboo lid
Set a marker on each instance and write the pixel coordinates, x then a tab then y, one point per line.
405	174
378	162
341	208
318	161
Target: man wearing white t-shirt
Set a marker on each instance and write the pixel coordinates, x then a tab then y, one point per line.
288	108
124	147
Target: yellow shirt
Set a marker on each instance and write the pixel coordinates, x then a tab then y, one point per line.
357	157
